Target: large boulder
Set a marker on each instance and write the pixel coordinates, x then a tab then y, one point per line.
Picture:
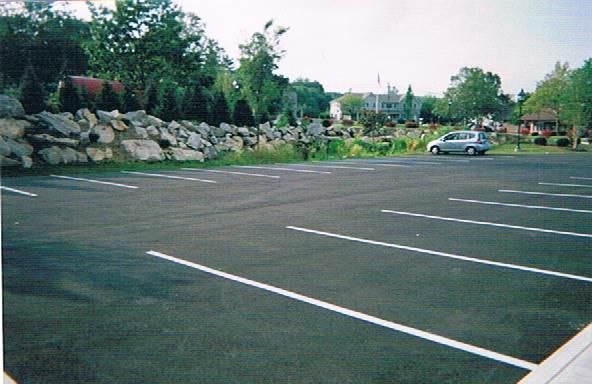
105	132
56	155
59	123
6	162
4	147
194	141
44	138
137	117
95	154
10	107
106	117
146	150
12	128
315	129
118	125
86	115
203	129
185	155
20	148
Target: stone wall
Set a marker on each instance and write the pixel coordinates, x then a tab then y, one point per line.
46	138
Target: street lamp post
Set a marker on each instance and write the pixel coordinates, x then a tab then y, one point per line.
520	99
449	116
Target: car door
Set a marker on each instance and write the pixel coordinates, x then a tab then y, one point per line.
447	144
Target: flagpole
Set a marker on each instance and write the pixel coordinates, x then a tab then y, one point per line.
376	105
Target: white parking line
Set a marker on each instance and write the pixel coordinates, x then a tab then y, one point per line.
568	185
447	255
18	191
355	314
374	164
421	162
545	193
334	166
232	173
580	178
169	176
489	223
284	169
520	205
95	181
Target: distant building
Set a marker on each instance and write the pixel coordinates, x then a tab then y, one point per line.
93	86
544	120
391	104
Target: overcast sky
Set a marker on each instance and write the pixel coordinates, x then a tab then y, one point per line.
345	44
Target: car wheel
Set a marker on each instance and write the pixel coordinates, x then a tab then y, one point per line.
471	151
435	150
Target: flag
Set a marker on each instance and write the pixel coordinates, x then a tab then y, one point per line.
379	79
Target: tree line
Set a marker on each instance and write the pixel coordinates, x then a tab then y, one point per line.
160	53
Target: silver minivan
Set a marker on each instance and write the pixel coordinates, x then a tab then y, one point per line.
469	142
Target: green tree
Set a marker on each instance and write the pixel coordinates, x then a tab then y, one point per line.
351	105
129	100
474	93
107	99
258	83
408	103
151	97
167	107
577	101
549	92
49	40
140	39
428	109
220	111
242	115
69	97
32	92
198	104
311	97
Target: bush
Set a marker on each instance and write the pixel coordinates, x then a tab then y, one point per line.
534	134
391	124
524	131
547	133
540	141
411	124
562	142
347	123
327	123
433	126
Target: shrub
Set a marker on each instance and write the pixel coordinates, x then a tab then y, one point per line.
534	134
411	124
390	124
433	126
327	123
562	142
524	131
347	123
547	133
540	141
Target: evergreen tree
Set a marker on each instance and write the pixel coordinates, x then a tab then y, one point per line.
198	103
130	101
151	98
408	104
69	97
220	112
167	107
108	100
242	114
32	92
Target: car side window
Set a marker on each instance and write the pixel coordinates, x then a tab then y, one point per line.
462	136
482	136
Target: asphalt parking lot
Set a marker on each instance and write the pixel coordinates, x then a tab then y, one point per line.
427	269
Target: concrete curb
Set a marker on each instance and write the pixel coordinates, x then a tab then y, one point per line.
570	364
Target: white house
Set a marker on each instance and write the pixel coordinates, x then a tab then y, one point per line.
391	103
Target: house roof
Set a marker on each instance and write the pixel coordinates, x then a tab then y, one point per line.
93	86
544	115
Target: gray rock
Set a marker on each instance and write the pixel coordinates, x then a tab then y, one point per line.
152	130
13	129
106	117
10	107
226	127
26	162
83	124
210	153
81	157
186	154
59	123
214	140
140	132
4	147
218	132
249	141
188	125
105	132
152	120
203	129
95	154
315	129
108	153
243	131
20	148
137	117
236	143
194	141
173	126
165	135
69	156
44	138
146	150
6	162
52	155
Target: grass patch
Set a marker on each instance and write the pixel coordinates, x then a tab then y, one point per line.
529	148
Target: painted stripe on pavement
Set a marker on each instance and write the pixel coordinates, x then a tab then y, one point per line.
545	193
334	166
568	185
447	255
18	191
532	229
580	178
169	176
284	169
377	164
232	173
355	314
520	205
94	181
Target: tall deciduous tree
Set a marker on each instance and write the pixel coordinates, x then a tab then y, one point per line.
351	105
311	97
577	101
258	83
474	93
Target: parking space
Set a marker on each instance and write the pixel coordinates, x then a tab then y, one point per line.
420	269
